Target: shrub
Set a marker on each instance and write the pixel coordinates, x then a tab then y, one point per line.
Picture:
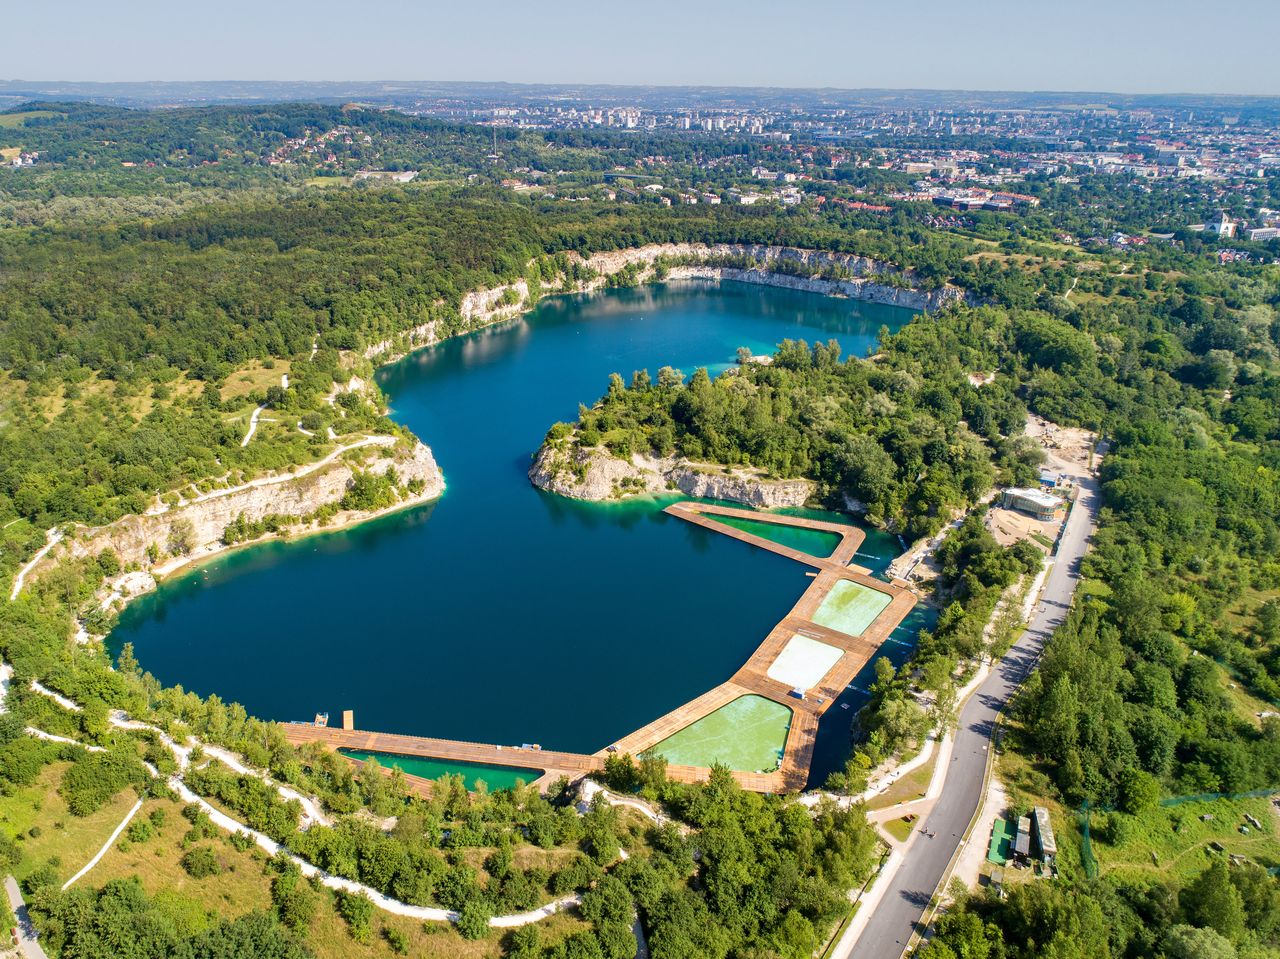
294	899
10	854
473	923
95	778
241	840
397	940
200	863
357	910
140	830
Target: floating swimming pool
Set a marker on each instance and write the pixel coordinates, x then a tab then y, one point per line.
495	777
851	607
815	542
803	662
748	734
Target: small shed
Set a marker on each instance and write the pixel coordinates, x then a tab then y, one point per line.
1022	841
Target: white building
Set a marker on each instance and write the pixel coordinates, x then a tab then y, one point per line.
1038	503
1224	226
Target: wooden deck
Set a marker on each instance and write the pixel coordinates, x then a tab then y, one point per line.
548	764
701	514
751	678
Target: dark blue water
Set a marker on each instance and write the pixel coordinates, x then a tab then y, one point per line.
501	613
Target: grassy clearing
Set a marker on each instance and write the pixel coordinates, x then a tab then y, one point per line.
1176	835
12	121
325	182
243	885
329	939
899	828
138	404
1179	839
1248	706
69	841
253	378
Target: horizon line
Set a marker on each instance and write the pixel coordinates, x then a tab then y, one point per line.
646	86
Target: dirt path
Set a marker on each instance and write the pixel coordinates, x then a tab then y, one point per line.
52	538
253	426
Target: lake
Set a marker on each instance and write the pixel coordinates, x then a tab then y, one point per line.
501	613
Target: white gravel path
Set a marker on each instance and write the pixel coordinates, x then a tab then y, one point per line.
52	538
253	426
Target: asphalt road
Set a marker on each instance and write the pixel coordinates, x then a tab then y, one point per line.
908	891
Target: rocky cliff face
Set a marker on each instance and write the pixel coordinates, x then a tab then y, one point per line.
771	265
596	475
203	521
415	339
856	289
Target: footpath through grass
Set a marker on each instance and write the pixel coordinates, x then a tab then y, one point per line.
1176	840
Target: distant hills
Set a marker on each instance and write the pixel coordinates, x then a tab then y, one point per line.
404	93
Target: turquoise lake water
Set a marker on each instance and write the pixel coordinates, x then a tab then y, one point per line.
501	613
494	777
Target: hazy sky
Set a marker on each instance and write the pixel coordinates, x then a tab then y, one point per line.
1142	46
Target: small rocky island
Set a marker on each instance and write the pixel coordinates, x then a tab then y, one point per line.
564	466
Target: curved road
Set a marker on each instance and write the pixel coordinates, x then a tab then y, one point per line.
909	889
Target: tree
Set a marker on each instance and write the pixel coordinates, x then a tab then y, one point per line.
1139	791
961	935
181	537
473	920
1212	900
253	936
1190	942
201	863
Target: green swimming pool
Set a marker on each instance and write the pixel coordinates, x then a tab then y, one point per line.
851	607
494	777
748	734
815	542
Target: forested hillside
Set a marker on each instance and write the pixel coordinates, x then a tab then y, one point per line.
147	313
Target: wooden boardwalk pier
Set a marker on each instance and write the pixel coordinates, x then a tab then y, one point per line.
751	679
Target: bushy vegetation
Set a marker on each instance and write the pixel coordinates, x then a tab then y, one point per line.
121	921
911	448
89	783
1224	913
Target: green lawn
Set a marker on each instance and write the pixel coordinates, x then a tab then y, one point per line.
911	786
851	607
1180	839
899	828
